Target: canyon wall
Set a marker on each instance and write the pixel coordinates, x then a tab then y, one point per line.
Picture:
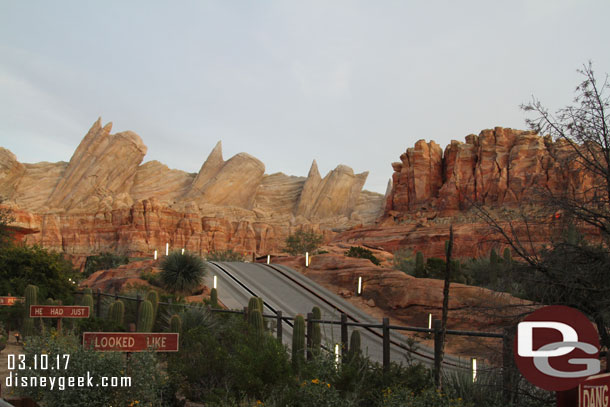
105	198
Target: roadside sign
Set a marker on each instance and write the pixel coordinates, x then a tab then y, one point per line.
131	341
594	391
59	311
9	300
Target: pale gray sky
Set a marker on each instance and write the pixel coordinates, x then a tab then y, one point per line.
344	82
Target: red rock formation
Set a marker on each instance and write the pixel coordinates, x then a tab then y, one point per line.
497	167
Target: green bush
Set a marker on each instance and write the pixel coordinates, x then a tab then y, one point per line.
362	253
225	255
303	241
21	265
229	361
103	261
182	273
147	379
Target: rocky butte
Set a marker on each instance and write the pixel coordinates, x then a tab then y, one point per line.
106	199
431	188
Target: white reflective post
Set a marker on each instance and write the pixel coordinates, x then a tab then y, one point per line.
306	259
268	259
337	354
360	285
166	249
215	281
183	250
473	363
155	255
430	321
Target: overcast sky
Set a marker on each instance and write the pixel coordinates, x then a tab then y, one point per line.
342	82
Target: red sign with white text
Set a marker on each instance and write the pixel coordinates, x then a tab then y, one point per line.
131	341
9	300
59	311
594	391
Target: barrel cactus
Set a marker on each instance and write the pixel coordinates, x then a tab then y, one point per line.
298	343
116	313
175	324
146	321
255	320
316	339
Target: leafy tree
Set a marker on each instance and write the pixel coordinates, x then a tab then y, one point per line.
103	261
182	273
303	241
362	253
6	218
569	270
21	265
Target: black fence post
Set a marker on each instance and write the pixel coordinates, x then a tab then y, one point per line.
98	310
138	299
438	345
309	334
344	339
386	343
279	326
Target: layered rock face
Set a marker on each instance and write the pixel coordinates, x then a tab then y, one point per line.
106	199
497	167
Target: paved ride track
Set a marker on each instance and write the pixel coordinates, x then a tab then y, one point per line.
282	288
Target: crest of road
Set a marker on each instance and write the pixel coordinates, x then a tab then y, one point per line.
284	289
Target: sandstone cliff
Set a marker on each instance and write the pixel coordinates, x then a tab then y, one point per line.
497	167
106	199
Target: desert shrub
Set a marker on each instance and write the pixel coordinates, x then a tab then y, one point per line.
103	261
182	273
404	261
228	361
303	241
225	255
362	253
146	374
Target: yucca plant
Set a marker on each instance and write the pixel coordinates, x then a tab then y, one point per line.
182	273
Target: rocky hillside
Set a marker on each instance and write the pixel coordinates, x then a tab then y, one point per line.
106	199
432	188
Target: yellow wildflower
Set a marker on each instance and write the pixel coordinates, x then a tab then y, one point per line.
315	381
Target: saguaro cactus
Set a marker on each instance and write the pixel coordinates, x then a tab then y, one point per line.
493	266
87	301
145	323
255	319
419	265
153	297
31	298
316	338
117	312
253	304
175	324
508	259
214	298
298	343
354	345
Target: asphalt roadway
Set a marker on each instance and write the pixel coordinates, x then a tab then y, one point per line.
283	288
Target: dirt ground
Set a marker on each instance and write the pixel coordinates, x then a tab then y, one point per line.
11	348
